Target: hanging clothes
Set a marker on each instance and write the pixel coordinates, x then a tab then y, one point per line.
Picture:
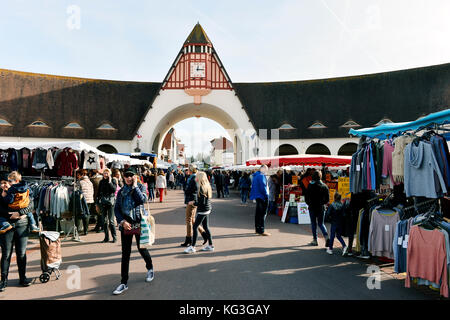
381	232
398	157
422	177
66	163
427	257
91	160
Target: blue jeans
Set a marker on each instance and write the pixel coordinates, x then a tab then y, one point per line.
336	231
272	207
151	193
317	219
244	195
18	238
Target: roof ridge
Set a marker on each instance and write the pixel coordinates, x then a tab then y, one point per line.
344	77
36	74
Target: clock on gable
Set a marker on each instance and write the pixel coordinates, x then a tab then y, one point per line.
198	69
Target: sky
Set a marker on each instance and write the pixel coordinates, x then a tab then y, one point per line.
257	40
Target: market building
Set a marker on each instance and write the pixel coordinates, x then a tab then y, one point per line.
263	119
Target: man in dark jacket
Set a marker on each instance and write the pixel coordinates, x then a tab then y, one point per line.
190	196
316	198
219	180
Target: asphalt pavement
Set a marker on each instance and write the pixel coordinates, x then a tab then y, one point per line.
244	265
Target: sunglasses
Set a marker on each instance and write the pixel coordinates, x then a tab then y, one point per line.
128	175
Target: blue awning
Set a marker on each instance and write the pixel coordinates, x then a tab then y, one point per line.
138	154
381	131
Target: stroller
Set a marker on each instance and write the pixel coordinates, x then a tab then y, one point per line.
50	255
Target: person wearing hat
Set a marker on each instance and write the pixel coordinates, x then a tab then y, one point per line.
128	209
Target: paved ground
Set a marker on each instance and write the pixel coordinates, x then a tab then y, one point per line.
244	265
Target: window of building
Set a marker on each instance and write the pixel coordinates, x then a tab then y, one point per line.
73	125
3	122
39	124
350	124
106	126
384	121
286	126
317	125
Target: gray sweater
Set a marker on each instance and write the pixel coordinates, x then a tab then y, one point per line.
422	175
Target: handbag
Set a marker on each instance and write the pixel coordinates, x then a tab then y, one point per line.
135	229
107	200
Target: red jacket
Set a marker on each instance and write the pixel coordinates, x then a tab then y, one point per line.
66	163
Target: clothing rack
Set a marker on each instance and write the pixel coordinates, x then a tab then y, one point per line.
420	208
71	180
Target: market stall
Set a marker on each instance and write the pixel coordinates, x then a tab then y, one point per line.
291	201
400	182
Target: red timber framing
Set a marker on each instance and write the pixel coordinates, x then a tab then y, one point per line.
179	75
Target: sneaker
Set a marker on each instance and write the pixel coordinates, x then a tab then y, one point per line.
26	282
350	254
207	248
35	229
265	234
345	251
120	289
313	243
150	275
329	251
6	229
190	249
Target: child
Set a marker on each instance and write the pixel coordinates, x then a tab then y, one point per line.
17	197
336	214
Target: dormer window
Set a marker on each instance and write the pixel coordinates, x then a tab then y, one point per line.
106	126
3	122
384	121
286	126
317	125
39	124
350	124
73	125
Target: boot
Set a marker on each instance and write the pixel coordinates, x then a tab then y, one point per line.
205	237
3	284
187	242
105	228
113	233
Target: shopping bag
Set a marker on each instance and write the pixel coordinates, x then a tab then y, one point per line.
144	239
152	224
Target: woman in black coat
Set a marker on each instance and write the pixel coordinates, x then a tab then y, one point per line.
17	236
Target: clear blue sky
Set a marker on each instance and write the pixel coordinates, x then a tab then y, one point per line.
257	40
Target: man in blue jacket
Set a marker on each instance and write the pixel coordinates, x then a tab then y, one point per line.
260	193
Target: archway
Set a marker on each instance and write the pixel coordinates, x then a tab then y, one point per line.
285	150
107	148
225	120
348	149
318	148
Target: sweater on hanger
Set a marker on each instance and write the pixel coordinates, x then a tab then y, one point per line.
427	257
398	157
423	177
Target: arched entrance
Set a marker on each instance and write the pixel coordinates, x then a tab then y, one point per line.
285	150
318	148
107	148
348	149
203	110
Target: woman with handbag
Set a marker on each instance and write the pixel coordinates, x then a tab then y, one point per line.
105	201
129	208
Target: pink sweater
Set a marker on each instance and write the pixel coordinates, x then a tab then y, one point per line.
427	257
